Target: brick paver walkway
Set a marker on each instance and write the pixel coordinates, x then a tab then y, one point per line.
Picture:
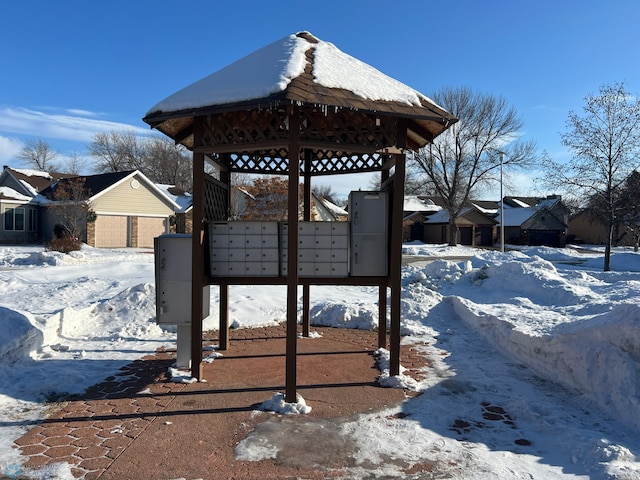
92	433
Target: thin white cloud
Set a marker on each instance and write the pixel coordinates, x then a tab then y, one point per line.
9	148
78	128
82	113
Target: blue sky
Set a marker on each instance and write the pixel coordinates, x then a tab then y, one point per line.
70	69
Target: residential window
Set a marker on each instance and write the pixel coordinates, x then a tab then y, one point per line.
14	219
33	220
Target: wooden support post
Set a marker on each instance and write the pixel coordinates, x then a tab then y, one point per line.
306	291
382	316
395	270
292	255
223	327
197	257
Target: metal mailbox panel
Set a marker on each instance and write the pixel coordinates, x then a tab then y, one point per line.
219	255
173	257
340	269
368	212
306	241
368	254
236	241
270	240
220	269
237	254
236	269
253	241
219	228
270	269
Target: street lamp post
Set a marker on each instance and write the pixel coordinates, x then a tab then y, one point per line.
501	205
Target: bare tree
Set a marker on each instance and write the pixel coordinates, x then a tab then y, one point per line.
325	191
75	164
70	210
117	151
605	143
38	154
466	156
166	162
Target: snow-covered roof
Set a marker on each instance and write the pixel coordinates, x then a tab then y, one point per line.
514	217
271	69
183	199
303	70
412	203
11	194
33	173
441	216
334	210
486	211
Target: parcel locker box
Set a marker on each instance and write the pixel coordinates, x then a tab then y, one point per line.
173	280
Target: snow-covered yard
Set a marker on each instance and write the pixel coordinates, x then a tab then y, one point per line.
535	353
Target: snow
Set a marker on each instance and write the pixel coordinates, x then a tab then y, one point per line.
532	356
514	217
9	192
32	173
270	69
414	204
183	201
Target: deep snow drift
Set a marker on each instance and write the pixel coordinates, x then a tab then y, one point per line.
535	354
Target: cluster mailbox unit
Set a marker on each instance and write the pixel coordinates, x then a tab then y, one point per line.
173	290
356	248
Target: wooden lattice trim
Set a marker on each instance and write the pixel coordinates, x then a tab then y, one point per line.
263	161
216	200
245	127
352	130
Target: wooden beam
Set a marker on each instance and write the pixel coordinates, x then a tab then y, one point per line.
395	268
223	326
306	290
197	259
292	256
382	316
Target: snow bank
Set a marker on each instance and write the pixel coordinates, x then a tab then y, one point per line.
19	339
559	324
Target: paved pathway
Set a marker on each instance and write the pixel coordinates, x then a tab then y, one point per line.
140	425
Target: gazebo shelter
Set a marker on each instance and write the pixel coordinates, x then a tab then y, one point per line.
298	107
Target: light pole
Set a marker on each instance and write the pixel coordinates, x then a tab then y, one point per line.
501	205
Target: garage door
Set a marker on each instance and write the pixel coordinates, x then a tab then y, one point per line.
111	231
148	229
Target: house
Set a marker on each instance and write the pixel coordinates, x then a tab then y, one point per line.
130	210
535	221
18	207
527	221
584	227
476	226
416	210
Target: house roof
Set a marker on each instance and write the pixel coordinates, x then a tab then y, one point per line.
92	184
33	181
416	203
304	70
96	185
178	195
8	193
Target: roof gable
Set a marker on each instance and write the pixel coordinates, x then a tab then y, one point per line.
95	186
28	182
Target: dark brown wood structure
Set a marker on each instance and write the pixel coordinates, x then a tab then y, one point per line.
303	130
